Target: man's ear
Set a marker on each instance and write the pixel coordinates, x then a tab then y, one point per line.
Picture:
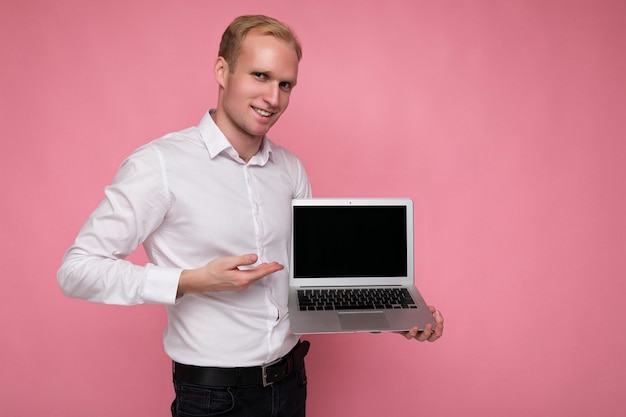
221	70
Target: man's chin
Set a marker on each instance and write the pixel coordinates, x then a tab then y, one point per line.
260	130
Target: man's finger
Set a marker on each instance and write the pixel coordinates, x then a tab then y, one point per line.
228	263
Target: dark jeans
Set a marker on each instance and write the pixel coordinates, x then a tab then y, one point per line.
286	398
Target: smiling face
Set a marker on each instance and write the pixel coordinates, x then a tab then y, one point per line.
256	93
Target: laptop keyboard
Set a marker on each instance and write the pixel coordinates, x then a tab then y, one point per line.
354	299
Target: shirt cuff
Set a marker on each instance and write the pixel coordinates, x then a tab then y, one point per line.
161	285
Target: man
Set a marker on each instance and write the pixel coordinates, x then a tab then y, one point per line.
211	206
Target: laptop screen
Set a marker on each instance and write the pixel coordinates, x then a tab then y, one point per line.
349	241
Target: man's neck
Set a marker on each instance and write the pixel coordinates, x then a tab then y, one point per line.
244	144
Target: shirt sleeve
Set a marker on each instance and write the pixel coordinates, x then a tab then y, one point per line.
303	189
94	267
302	186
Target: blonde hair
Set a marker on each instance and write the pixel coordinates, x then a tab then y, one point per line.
237	31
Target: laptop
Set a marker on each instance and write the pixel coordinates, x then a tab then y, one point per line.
351	267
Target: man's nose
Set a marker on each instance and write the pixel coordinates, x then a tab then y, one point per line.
272	94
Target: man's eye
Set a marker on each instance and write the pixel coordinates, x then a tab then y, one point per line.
259	75
285	86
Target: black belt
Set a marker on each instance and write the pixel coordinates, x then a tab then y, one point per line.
253	376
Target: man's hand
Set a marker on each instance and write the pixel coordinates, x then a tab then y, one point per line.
223	274
428	334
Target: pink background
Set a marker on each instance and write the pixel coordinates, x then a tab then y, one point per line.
504	120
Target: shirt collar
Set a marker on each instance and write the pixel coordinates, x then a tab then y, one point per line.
216	143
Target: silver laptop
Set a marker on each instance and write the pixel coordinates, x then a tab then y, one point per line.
352	267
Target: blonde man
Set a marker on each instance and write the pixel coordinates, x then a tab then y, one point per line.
210	204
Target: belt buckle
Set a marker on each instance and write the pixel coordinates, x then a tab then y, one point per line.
264	372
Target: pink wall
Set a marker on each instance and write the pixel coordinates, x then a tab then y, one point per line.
504	121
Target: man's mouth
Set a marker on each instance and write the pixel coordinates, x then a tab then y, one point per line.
262	112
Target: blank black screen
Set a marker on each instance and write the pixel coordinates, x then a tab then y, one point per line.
354	241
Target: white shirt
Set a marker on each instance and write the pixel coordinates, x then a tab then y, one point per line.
189	198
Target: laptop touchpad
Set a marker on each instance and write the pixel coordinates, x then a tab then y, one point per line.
363	321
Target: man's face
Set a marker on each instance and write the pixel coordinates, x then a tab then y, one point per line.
257	93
